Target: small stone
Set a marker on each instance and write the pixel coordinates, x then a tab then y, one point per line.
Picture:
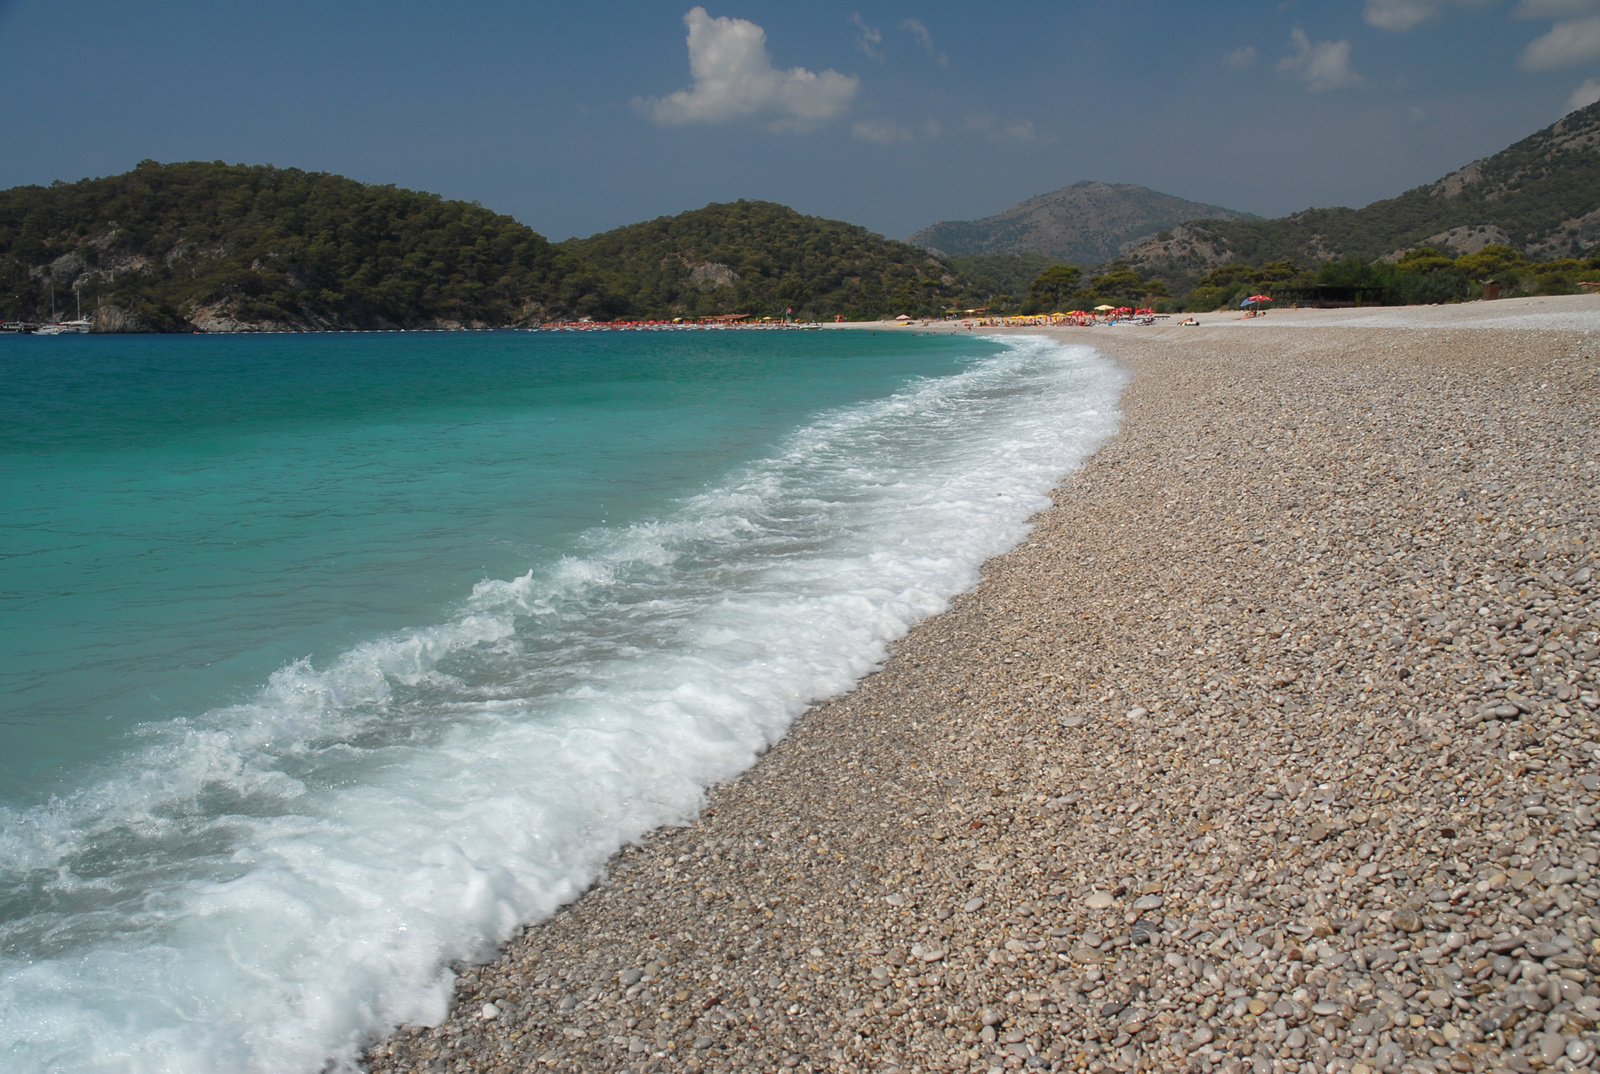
489	1012
1138	712
629	978
896	899
972	905
1406	921
1093	939
1072	721
1324	1009
1389	1056
1146	902
1100	900
1579	1051
1552	1046
702	1043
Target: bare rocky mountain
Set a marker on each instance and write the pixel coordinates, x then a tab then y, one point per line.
1086	223
1541	196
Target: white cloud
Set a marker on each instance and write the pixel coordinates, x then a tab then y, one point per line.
1322	66
1402	15
924	37
868	38
734	79
1584	95
1241	58
888	132
995	129
882	132
1567	43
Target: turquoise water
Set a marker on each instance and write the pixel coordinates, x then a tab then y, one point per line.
327	660
187	515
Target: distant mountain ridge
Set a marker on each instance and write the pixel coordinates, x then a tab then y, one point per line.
1540	196
1086	223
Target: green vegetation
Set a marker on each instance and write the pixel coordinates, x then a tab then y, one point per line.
760	258
1420	276
1530	191
1055	285
172	247
1000	280
1056	289
165	244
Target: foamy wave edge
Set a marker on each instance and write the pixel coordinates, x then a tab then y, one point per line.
337	909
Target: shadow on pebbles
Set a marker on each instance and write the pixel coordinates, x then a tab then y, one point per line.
1271	750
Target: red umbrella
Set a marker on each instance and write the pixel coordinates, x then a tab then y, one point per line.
1260	298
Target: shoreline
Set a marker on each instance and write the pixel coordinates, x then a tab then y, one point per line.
944	869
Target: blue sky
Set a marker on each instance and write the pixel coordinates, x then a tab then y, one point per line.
575	118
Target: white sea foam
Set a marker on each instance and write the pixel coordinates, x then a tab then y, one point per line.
268	887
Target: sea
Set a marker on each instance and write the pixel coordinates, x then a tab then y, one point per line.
330	661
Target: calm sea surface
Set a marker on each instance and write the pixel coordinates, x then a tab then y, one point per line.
327	659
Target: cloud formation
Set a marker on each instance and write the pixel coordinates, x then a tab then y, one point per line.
994	129
1322	66
888	132
1572	42
868	38
1402	15
924	37
734	79
1584	95
1241	58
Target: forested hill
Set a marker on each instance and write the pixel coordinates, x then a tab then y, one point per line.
220	247
1541	196
217	247
760	257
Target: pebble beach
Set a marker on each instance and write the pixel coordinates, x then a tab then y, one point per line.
1274	748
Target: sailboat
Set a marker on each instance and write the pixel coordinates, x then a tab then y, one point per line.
62	328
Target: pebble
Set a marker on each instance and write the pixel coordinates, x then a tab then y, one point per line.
1245	690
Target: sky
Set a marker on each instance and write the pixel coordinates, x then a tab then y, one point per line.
576	118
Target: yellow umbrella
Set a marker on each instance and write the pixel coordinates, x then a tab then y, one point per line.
1103	308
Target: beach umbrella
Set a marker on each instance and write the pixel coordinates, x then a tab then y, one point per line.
1253	299
1103	308
903	317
